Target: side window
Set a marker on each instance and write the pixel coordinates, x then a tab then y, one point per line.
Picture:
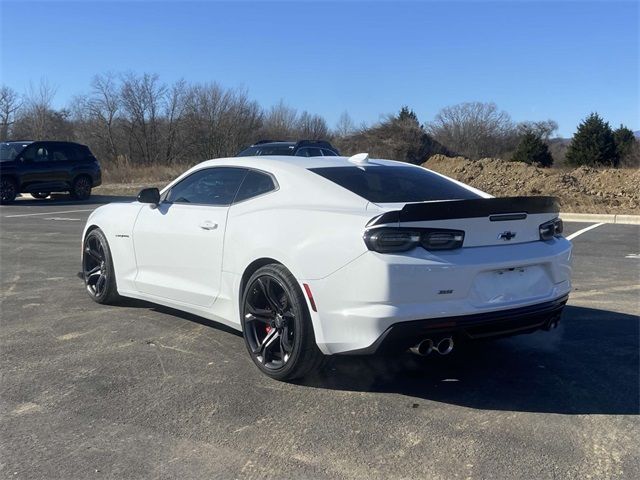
36	153
309	152
62	152
254	184
209	186
328	153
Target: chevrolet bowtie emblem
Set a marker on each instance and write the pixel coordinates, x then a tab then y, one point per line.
507	235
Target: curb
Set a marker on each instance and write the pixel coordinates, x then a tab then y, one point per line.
601	218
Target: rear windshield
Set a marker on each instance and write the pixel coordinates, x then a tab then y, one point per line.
267	150
386	184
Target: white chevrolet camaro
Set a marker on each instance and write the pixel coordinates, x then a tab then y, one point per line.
332	255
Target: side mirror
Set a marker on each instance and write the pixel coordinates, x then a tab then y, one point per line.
149	195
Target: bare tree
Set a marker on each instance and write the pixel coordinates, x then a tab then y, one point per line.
104	107
10	103
345	125
280	122
142	103
175	104
474	129
543	129
311	127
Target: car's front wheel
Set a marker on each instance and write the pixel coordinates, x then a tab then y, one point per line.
277	326
8	190
81	188
97	268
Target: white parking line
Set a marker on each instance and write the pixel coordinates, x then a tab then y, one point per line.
580	232
48	213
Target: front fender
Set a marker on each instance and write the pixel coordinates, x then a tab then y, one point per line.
116	220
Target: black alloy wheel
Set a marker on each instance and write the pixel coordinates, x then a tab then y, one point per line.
97	268
8	191
276	324
81	189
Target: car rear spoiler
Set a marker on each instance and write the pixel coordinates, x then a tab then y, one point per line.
498	209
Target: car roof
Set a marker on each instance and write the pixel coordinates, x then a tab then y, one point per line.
274	163
18	142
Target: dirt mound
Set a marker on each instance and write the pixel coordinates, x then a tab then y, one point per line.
583	189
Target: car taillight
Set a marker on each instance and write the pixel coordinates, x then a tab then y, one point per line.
550	229
443	239
390	240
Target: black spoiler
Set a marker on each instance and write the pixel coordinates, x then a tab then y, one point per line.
500	208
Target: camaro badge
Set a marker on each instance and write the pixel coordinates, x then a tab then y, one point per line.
507	235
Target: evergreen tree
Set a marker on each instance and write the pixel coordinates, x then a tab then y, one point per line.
406	114
625	140
593	144
533	150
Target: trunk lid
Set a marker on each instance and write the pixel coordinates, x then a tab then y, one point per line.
485	221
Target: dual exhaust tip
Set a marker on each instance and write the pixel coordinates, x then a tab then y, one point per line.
425	347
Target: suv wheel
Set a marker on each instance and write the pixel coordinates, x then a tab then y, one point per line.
81	188
8	190
40	195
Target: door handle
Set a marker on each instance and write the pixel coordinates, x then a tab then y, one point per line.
208	225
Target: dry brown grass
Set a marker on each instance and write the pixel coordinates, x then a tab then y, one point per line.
123	178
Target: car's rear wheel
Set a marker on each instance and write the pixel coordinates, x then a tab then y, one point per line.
8	190
97	268
40	195
81	188
277	326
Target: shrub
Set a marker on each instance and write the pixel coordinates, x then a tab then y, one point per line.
533	150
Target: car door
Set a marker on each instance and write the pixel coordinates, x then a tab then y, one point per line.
178	244
62	158
36	166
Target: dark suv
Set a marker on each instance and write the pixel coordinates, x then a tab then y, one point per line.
40	168
303	148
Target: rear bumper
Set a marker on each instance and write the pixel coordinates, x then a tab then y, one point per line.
364	299
504	323
97	178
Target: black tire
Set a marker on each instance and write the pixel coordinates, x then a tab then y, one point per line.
276	324
97	269
81	188
40	195
8	190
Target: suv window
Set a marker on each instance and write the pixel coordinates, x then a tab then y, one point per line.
309	152
209	186
267	150
386	184
254	184
62	152
36	153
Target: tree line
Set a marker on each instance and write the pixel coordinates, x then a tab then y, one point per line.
145	121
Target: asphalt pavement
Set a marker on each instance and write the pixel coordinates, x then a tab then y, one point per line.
141	391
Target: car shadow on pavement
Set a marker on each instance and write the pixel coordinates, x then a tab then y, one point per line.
589	365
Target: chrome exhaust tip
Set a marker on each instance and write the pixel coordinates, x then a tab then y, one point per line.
423	348
553	323
445	346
